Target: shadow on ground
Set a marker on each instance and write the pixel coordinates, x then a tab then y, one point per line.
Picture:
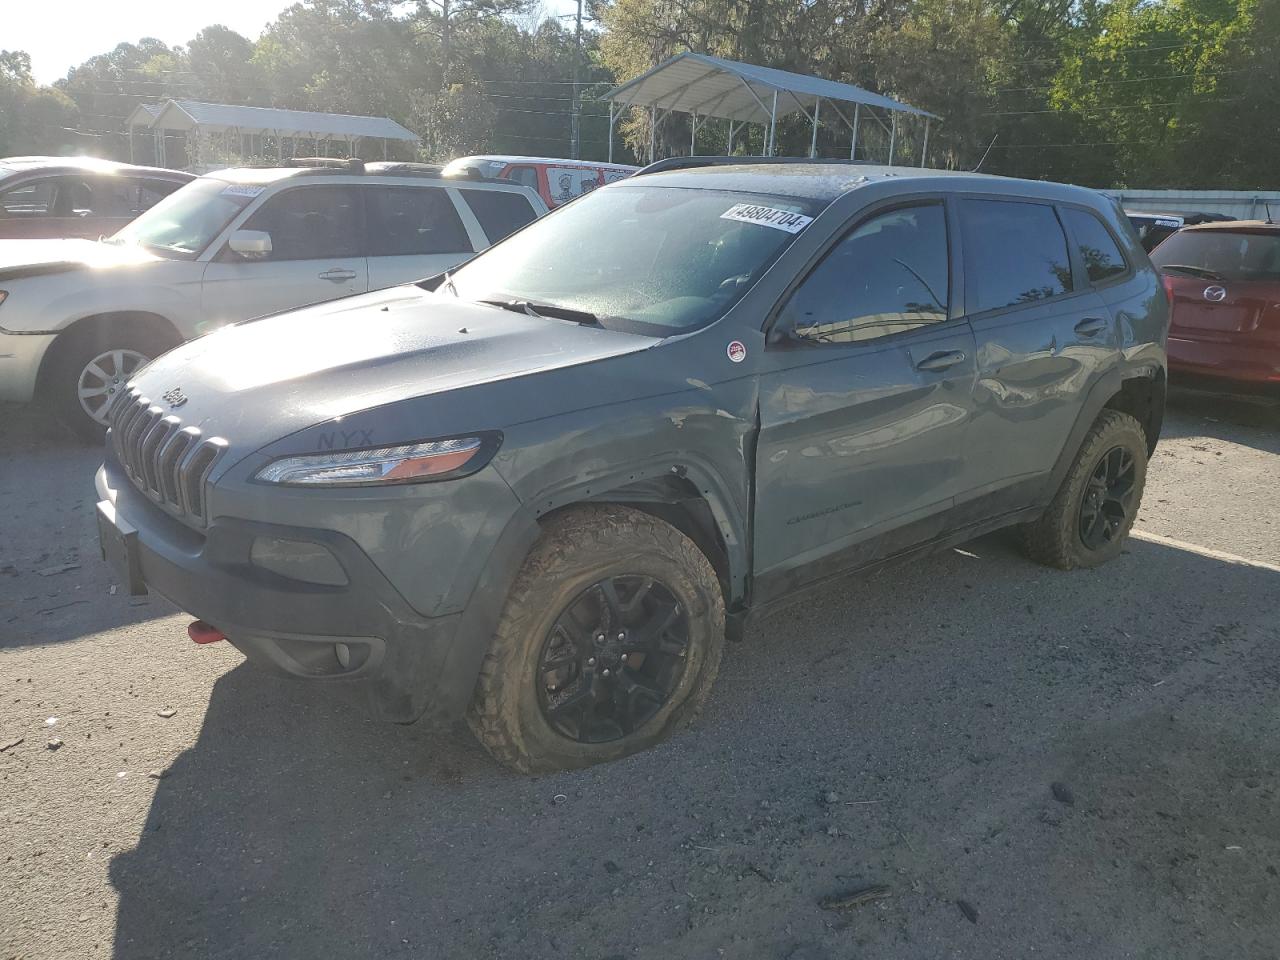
1252	419
54	586
901	731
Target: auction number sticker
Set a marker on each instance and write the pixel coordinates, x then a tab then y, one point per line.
242	190
767	217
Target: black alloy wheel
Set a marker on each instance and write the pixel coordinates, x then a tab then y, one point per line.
612	659
1108	498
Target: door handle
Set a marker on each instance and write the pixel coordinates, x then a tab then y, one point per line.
1091	326
942	360
338	275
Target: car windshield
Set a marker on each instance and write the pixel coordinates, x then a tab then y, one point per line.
649	259
1221	254
185	222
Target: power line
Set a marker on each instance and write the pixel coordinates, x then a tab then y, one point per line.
1132	106
1105	83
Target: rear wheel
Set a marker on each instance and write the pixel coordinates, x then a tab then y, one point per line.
609	640
1088	520
91	367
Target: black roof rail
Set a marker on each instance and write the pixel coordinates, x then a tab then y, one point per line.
351	165
405	168
690	163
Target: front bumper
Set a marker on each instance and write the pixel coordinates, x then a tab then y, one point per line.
1248	362
397	663
20	357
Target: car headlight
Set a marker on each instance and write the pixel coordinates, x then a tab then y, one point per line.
407	463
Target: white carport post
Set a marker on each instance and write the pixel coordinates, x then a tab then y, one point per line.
924	151
813	141
853	137
730	151
773	123
653	129
893	136
693	132
611	105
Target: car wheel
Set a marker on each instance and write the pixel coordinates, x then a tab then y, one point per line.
92	367
1088	520
610	639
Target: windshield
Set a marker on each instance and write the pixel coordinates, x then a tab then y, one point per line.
1221	254
650	259
185	222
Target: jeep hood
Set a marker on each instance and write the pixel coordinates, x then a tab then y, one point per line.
20	258
259	381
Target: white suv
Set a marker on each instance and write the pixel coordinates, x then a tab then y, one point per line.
78	317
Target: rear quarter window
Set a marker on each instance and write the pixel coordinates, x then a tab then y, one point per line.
1102	257
500	213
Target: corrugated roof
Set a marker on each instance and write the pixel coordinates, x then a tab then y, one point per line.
715	87
185	114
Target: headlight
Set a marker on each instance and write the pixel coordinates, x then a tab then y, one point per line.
409	463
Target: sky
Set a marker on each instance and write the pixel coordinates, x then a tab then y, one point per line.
81	28
69	32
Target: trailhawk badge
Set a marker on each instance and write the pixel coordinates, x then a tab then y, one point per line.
174	397
737	351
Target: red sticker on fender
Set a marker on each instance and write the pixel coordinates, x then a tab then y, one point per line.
737	351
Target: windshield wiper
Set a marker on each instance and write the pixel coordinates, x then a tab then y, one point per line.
1194	271
543	310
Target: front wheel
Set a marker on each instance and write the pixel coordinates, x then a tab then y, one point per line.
1088	520
610	639
91	368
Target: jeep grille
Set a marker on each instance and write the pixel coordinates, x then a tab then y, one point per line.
168	462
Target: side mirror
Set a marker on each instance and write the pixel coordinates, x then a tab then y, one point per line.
250	244
783	333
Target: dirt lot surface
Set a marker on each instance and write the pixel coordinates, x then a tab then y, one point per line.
1031	763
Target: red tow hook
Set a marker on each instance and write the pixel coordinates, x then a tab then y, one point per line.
201	632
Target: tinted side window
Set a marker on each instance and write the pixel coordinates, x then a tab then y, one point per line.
1013	252
31	199
1102	258
151	192
499	213
311	223
413	221
117	197
889	275
526	175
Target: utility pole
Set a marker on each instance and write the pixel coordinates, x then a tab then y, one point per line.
576	132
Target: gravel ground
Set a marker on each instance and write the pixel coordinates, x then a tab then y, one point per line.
1030	763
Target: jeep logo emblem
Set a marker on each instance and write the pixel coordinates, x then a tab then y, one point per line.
1215	294
174	397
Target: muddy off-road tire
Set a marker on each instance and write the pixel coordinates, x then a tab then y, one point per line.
609	640
1089	519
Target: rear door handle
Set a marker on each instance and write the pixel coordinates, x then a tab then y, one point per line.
943	360
1090	327
338	275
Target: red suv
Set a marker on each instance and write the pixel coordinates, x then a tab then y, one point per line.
77	196
1223	281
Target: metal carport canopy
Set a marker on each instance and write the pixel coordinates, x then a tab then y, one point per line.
190	114
706	86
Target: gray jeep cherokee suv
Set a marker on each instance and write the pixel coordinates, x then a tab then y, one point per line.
540	490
